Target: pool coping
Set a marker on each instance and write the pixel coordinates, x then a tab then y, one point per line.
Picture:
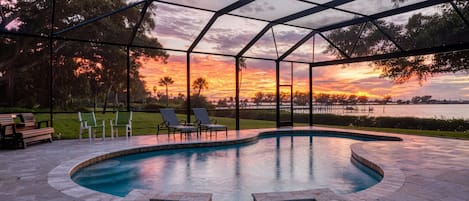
393	178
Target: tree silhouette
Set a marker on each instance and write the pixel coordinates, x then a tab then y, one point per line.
421	31
155	89
199	84
242	65
166	81
81	70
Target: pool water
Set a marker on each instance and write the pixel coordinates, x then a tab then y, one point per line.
279	163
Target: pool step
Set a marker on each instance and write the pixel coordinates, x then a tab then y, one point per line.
102	175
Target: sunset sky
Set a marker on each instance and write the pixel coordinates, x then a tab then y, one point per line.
177	27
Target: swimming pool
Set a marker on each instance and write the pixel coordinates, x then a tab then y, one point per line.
274	163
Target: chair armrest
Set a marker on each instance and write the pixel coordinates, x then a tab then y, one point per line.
39	123
162	124
3	130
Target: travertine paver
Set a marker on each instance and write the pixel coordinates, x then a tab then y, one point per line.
417	168
308	195
149	195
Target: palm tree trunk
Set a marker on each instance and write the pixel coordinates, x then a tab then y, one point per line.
167	96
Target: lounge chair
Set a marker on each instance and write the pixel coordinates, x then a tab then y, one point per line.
88	122
172	124
205	123
28	121
123	119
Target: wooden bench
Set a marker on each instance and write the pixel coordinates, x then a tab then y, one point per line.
20	137
34	135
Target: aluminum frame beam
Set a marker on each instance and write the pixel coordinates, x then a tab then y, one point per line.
212	20
461	15
98	18
137	26
288	18
416	52
384	14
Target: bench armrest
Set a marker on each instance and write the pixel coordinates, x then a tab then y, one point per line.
39	123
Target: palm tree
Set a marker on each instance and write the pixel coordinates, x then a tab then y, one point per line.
155	90
242	65
199	84
166	81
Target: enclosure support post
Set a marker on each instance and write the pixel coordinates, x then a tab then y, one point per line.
310	95
291	96
237	93
128	78
188	86
51	66
277	92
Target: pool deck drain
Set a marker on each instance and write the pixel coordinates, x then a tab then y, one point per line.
417	168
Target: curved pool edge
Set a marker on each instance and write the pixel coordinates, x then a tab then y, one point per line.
393	178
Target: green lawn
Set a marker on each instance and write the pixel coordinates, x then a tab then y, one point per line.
429	133
145	123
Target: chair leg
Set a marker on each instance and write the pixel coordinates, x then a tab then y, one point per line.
112	130
81	134
127	132
89	134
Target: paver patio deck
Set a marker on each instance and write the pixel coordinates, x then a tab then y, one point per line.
417	168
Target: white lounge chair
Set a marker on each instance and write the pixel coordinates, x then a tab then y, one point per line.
172	124
205	123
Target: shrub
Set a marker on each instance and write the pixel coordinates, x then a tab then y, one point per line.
365	121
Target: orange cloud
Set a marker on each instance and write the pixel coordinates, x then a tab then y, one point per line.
359	79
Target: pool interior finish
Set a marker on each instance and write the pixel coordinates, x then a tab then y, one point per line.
272	164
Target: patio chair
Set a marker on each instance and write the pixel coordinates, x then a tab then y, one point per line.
123	119
28	121
207	124
88	122
172	124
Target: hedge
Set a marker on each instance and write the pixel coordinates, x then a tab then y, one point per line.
348	120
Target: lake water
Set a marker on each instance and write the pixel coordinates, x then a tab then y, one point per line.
439	111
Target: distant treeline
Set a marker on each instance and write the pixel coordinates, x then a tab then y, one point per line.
365	121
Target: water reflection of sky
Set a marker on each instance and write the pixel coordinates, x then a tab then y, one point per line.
233	173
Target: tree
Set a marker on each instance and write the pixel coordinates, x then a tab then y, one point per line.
362	99
222	103
386	99
242	65
323	98
80	70
300	98
270	97
352	99
199	101
155	89
426	98
166	81
199	84
258	98
416	99
420	31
